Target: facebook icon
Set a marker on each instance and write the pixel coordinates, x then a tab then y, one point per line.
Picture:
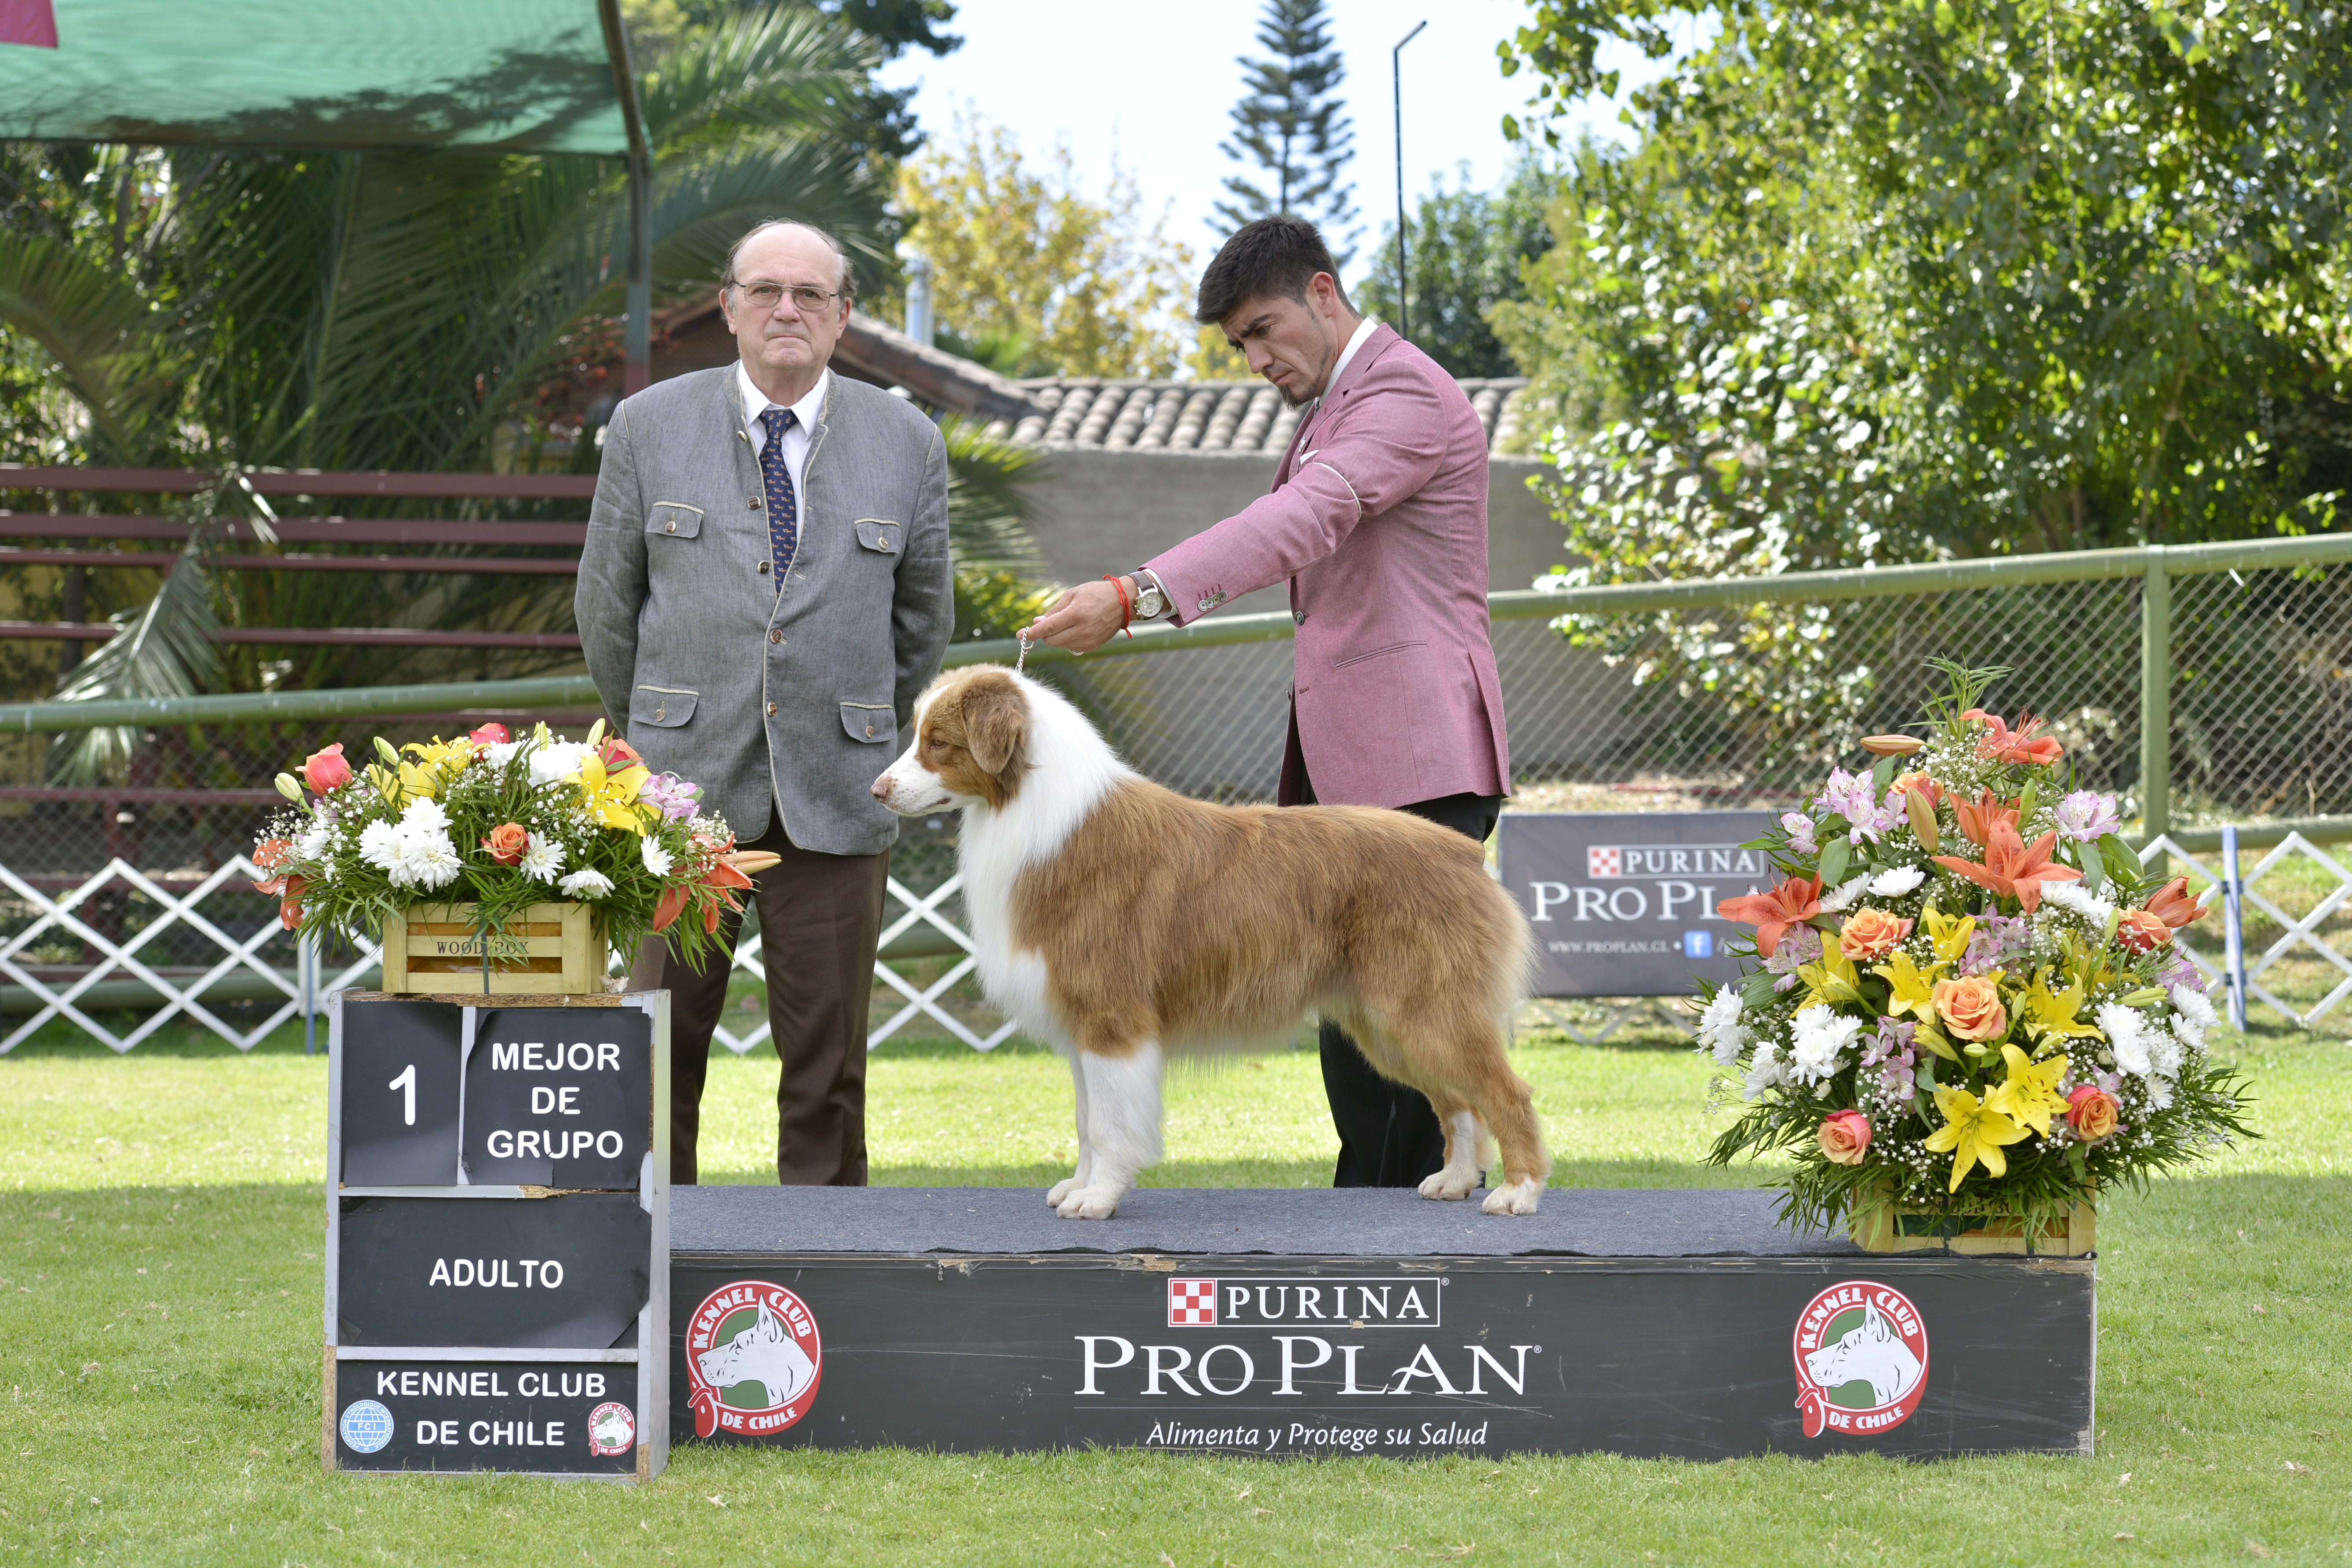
1698	945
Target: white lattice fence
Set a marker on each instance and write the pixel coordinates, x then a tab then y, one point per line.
2299	936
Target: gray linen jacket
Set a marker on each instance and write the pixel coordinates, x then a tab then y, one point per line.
769	700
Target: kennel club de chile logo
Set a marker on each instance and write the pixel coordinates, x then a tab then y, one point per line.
1861	1359
753	1359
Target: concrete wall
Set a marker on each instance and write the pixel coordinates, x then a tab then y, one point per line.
1210	721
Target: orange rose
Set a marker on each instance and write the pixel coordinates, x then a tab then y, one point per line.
1871	933
1922	784
1971	1007
2091	1112
507	842
2142	931
1844	1137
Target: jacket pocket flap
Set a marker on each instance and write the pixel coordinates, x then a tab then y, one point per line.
674	518
878	533
1377	653
664	707
872	721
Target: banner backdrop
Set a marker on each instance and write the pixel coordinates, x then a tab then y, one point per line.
1622	903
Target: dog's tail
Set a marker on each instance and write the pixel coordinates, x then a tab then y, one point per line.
1513	974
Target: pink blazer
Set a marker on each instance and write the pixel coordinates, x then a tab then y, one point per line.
1377	516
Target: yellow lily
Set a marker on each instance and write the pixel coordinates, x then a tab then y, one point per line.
435	766
1834	979
2031	1092
1913	988
2046	1013
611	797
1950	934
1972	1132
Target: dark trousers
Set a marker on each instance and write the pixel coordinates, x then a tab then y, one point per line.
820	921
1389	1137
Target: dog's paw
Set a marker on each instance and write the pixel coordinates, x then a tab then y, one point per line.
1447	1185
1513	1198
1089	1203
1060	1190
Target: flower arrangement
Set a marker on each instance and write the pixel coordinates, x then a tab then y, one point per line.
1968	998
501	825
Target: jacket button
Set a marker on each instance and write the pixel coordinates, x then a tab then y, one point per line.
660	714
771	710
673	526
755	503
763	568
869	732
1299	617
775	637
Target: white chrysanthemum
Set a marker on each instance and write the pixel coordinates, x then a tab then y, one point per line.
543	859
2197	1014
658	859
1764	1070
1720	1028
559	761
1848	893
1895	883
423	817
379	844
312	843
2126	1034
426	860
1821	1034
2071	897
587	884
2166	1050
501	754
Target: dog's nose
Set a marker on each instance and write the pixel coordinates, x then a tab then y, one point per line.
882	787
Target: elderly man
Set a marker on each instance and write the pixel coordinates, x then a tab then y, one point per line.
764	590
1378	519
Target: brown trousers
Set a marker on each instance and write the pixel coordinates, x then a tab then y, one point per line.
820	921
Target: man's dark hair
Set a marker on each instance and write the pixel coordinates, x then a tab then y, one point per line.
1269	256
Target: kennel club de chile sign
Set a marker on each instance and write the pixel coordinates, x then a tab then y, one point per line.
1293	1356
1622	903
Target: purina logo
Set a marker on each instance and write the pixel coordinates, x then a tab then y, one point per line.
753	1360
1415	1302
1861	1359
1607	862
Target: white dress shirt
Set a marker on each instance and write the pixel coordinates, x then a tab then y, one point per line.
1364	329
796	439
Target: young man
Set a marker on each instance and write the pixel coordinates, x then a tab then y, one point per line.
1378	519
765	587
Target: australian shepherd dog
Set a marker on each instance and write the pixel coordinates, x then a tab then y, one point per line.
1122	923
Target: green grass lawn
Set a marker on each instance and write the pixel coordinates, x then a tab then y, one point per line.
160	1239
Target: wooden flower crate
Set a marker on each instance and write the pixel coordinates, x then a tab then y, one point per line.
1886	1227
548	950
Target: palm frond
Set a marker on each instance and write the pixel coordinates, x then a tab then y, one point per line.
98	328
162	650
774	68
989	508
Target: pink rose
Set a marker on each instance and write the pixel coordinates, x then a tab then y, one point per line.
1845	1136
488	735
323	771
2090	1111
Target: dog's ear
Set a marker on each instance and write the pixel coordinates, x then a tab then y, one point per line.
995	723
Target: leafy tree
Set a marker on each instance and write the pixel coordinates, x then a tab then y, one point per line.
1033	277
1466	251
1288	125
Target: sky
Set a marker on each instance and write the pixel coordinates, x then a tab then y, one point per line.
1151	86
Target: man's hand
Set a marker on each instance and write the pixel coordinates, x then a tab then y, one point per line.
1085	617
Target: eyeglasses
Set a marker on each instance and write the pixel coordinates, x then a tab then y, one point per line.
768	296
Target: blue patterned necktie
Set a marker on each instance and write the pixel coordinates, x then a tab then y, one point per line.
783	505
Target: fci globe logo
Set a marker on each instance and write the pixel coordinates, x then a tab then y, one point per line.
1861	1359
753	1360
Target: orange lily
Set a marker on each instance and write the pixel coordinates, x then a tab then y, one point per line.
1792	902
2012	867
2173	906
2018	745
1920	783
1977	821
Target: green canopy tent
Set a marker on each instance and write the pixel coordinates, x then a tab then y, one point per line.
513	76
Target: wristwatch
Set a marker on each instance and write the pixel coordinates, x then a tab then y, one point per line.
1150	603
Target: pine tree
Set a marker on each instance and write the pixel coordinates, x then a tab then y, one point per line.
1289	125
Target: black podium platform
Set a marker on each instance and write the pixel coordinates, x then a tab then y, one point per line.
1319	1321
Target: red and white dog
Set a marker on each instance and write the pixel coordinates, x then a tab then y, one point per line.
1120	923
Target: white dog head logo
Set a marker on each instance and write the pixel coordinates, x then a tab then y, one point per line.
751	1334
1859	1333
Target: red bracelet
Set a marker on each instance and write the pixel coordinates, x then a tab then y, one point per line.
1126	606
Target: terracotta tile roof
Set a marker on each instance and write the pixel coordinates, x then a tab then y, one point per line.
1197	415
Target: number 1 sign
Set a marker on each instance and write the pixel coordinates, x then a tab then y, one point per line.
400	1094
